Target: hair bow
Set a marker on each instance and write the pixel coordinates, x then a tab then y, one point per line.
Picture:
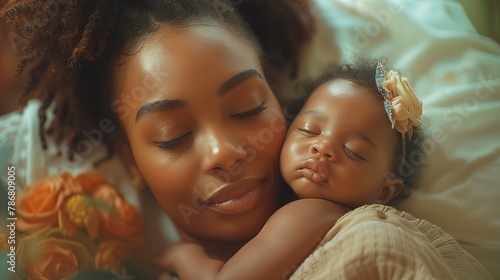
401	104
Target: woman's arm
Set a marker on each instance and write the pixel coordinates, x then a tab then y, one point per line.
288	237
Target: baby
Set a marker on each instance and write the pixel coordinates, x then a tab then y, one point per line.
346	148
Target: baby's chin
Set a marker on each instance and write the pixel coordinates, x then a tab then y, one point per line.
305	189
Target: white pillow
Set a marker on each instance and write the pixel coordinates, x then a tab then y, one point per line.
456	73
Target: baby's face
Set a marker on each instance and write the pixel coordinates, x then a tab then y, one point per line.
341	146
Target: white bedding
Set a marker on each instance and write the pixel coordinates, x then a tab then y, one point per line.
454	71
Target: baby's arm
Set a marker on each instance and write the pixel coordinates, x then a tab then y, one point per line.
285	241
190	261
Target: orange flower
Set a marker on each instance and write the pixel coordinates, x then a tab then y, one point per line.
78	211
55	201
118	219
39	204
111	254
90	182
49	254
74	224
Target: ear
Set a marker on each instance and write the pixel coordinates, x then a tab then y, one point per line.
392	187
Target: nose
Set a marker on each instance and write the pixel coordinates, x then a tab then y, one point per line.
323	148
224	152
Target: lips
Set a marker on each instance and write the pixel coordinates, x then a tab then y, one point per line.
238	197
315	171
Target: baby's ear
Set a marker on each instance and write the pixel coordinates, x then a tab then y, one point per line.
393	186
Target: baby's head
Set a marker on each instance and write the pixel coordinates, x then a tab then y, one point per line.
342	145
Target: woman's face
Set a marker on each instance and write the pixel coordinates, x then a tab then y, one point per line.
205	130
341	147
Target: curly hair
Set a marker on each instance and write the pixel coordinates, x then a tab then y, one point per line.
72	45
282	27
362	72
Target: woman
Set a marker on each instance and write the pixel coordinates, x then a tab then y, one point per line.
179	89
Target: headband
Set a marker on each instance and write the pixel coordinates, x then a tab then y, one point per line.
400	102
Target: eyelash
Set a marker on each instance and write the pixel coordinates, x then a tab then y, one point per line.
309	132
347	150
250	113
172	143
353	154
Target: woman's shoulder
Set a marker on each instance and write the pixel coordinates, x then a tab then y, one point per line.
9	126
21	147
16	131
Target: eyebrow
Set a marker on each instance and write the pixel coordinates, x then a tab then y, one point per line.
170	104
238	79
156	106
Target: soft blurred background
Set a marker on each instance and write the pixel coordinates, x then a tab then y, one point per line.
485	15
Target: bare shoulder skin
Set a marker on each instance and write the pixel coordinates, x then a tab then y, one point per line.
287	238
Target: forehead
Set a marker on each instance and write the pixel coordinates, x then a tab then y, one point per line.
344	105
342	91
198	51
349	103
192	43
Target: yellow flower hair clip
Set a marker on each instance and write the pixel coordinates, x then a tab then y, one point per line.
401	104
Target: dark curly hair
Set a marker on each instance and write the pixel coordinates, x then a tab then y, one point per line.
71	45
362	72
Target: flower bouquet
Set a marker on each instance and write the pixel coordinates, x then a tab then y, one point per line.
76	228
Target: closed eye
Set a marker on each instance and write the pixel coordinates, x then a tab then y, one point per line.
309	132
172	143
353	154
250	113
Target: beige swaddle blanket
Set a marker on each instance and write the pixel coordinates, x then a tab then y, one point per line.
380	242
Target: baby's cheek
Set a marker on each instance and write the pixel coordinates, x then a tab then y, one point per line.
287	164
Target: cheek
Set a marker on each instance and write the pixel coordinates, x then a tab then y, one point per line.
286	161
169	180
173	187
272	150
293	152
270	136
368	183
297	147
385	158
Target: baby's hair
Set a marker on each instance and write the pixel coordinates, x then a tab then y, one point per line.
362	72
70	47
